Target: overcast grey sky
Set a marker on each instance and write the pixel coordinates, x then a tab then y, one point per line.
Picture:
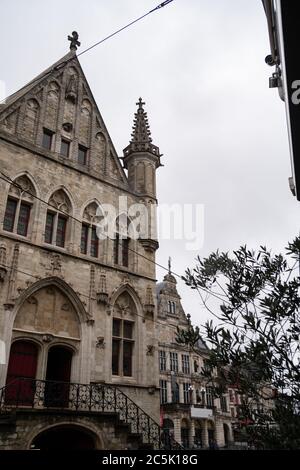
199	65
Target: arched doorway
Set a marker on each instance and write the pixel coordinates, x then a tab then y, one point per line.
211	434
167	433
58	376
185	434
198	435
226	434
64	438
21	373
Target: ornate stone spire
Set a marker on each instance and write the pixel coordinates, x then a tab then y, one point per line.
141	140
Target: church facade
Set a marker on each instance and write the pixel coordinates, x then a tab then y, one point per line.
77	311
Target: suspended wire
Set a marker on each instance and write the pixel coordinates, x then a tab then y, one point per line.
7	179
161	5
12	268
63	63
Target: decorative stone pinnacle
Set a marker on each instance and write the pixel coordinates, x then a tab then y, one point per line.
141	140
74	41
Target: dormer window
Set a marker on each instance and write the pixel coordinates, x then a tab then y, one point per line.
171	307
47	139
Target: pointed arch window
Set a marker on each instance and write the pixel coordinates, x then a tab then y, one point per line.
19	205
122	347
57	219
89	244
124	334
122	241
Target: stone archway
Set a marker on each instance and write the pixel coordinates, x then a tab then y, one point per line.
65	437
50	313
48	310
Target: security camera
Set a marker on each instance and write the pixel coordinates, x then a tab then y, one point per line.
269	60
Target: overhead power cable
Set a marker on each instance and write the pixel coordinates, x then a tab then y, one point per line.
7	179
63	63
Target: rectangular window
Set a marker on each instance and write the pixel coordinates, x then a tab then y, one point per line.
47	139
162	361
174	362
115	356
163	391
49	227
82	155
116	248
84	238
128	329
117	328
65	148
94	242
223	403
23	221
209	397
122	347
185	363
127	358
61	231
10	214
187	393
125	250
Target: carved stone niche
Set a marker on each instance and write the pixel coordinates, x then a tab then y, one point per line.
150	350
151	390
102	298
67	126
149	309
102	294
47	338
100	342
149	245
3	272
149	306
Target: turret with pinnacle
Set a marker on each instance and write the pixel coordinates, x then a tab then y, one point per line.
141	156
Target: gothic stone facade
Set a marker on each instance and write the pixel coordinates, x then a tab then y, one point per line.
63	294
188	408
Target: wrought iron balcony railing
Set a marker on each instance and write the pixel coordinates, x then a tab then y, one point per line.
24	393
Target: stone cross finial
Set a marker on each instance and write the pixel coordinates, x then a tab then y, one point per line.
140	103
74	41
169	264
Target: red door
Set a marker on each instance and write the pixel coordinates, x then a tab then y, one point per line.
58	377
22	363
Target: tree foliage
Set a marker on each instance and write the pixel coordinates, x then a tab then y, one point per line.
254	344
